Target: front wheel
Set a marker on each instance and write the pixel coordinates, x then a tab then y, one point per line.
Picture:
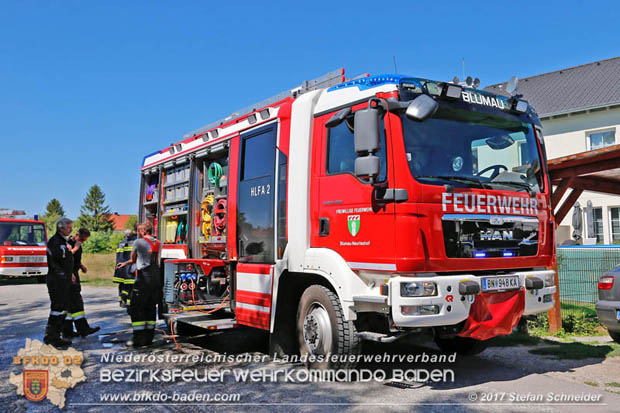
326	339
615	336
463	346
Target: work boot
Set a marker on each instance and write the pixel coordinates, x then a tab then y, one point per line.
84	329
67	329
58	343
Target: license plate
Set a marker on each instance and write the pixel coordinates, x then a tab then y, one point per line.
500	283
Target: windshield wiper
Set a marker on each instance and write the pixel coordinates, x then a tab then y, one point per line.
519	185
465	179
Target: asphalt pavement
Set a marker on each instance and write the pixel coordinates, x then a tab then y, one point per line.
500	379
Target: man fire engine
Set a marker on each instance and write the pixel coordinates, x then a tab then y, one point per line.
364	209
22	246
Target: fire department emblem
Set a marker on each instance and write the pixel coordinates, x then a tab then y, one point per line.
353	222
35	384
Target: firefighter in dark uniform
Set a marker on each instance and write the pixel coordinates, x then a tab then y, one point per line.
60	269
75	314
147	289
125	276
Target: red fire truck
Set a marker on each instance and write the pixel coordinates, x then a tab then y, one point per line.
363	209
22	246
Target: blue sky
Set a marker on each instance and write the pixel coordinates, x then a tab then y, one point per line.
87	88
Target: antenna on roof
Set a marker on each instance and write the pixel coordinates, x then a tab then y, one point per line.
395	69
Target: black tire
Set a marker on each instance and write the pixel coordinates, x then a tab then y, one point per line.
42	279
615	336
463	346
318	307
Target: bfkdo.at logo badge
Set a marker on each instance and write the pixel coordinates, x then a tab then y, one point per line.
35	384
353	222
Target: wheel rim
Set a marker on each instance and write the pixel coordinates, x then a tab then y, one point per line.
317	329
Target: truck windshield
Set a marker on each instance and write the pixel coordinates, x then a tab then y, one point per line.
473	148
22	234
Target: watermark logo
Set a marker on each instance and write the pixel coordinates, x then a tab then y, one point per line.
35	384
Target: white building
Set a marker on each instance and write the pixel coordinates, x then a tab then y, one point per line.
579	108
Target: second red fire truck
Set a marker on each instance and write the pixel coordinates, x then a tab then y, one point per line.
22	246
350	210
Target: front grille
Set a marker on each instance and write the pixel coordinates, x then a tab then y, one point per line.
488	236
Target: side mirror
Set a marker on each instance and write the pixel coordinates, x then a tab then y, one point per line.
338	118
366	131
367	167
421	108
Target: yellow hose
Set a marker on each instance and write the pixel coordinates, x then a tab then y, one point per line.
205	215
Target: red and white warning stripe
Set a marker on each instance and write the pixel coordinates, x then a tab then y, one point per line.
253	295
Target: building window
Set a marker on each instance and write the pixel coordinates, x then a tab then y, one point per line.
598	225
614	215
598	140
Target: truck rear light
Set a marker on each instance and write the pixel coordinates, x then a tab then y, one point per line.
6	259
606	283
418	289
420	309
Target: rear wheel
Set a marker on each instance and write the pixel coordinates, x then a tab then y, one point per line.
464	346
615	336
322	330
41	279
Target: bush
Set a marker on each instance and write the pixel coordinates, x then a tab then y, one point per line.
102	242
576	324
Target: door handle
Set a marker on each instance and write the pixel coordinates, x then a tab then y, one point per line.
323	227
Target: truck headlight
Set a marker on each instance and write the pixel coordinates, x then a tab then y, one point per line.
549	280
418	289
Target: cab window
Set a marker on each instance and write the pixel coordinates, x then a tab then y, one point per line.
341	149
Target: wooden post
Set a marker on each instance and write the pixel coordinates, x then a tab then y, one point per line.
555	314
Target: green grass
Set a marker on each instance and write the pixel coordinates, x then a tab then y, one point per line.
613	384
578	351
591	383
100	269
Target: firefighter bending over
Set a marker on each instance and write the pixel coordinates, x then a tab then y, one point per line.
146	292
76	313
60	264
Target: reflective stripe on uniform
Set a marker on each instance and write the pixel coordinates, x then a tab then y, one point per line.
57	313
118	279
77	316
139	325
150	324
128	301
129	281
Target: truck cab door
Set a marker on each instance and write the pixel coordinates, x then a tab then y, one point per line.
345	218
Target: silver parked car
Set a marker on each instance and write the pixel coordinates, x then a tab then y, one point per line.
608	306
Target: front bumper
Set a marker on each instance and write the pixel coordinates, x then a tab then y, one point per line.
454	307
23	271
607	312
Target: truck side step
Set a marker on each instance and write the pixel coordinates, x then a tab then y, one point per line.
206	321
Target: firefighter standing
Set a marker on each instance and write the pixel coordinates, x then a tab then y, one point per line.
125	276
75	314
60	265
146	293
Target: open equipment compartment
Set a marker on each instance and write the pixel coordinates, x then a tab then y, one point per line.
175	201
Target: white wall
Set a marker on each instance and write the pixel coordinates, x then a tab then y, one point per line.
568	135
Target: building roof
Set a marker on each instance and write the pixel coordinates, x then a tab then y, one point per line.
119	221
589	86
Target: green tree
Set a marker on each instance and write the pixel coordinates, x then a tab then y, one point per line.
53	211
54	207
133	220
94	214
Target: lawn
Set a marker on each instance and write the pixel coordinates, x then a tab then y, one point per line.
100	269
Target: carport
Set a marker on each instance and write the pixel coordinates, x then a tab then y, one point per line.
598	171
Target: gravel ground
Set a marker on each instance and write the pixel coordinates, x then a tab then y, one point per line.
482	383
